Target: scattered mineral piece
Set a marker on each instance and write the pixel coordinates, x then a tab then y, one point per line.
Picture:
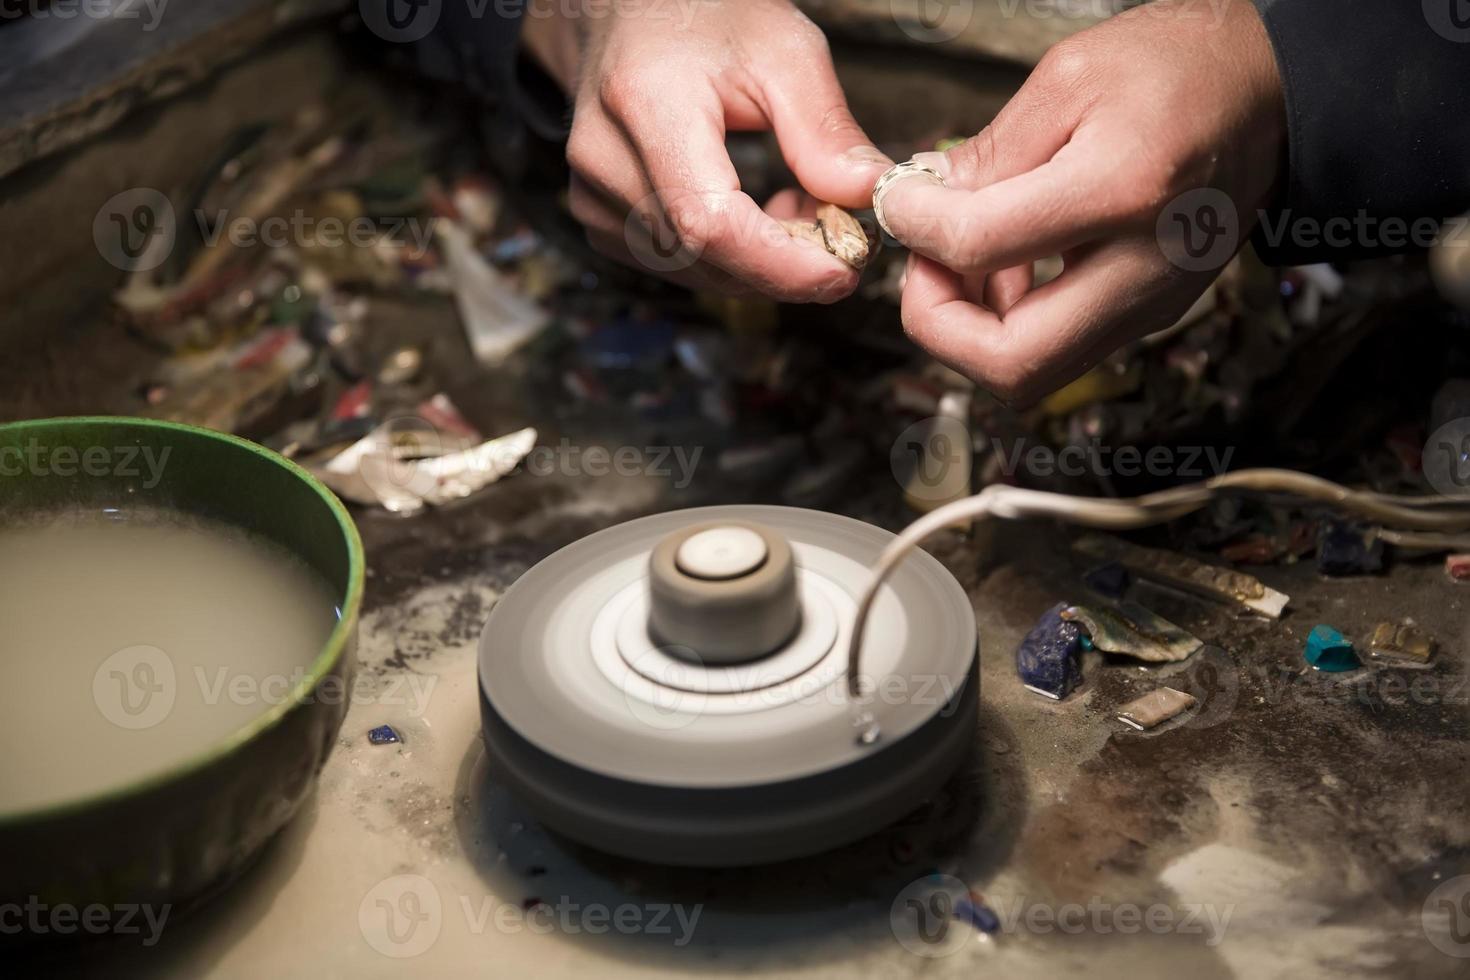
1133	630
972	909
1110	579
1049	658
1183	572
1328	650
1155	708
1344	549
1402	641
383	735
1457	567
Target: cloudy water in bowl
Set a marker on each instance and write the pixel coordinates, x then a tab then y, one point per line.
132	641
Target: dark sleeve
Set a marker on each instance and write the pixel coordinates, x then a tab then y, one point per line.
477	46
1378	125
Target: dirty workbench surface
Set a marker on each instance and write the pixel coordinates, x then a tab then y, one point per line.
1295	826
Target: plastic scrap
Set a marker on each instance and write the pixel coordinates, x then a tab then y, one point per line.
1049	659
238	388
1402	641
1328	650
374	472
497	318
1155	708
1183	572
1133	630
1457	567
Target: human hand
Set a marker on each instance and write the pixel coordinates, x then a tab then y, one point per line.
656	88
1139	151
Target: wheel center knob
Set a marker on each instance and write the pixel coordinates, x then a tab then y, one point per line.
723	593
721	553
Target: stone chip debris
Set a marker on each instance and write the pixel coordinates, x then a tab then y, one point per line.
1155	708
1402	641
1133	630
838	232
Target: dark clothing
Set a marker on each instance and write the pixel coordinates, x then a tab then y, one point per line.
475	44
1378	124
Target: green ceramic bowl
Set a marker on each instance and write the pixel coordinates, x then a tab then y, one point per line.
176	835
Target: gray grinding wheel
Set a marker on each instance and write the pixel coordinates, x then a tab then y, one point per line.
619	739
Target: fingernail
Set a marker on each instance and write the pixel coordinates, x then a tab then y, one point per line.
934	160
867	156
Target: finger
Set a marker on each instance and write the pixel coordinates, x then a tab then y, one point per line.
1050	336
1005	287
603	161
682	147
1060	205
695	278
820	140
1028	131
791	203
593	211
631	244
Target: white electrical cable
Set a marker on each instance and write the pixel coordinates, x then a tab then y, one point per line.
1434	514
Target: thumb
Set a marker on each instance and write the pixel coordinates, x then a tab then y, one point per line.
1027	132
822	143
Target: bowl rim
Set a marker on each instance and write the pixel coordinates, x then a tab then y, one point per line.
325	661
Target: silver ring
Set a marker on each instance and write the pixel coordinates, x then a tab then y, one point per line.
909	168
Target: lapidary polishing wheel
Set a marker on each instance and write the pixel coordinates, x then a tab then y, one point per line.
673	689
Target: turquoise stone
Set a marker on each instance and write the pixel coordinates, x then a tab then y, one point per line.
1328	650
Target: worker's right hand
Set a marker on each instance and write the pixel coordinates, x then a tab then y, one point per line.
1139	150
656	86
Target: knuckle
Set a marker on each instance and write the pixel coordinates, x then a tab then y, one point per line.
1014	386
582	155
597	242
1066	63
975	156
1013	380
621	91
691	222
806	38
837	120
579	203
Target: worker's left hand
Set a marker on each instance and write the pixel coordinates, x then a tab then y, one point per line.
656	88
1139	150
